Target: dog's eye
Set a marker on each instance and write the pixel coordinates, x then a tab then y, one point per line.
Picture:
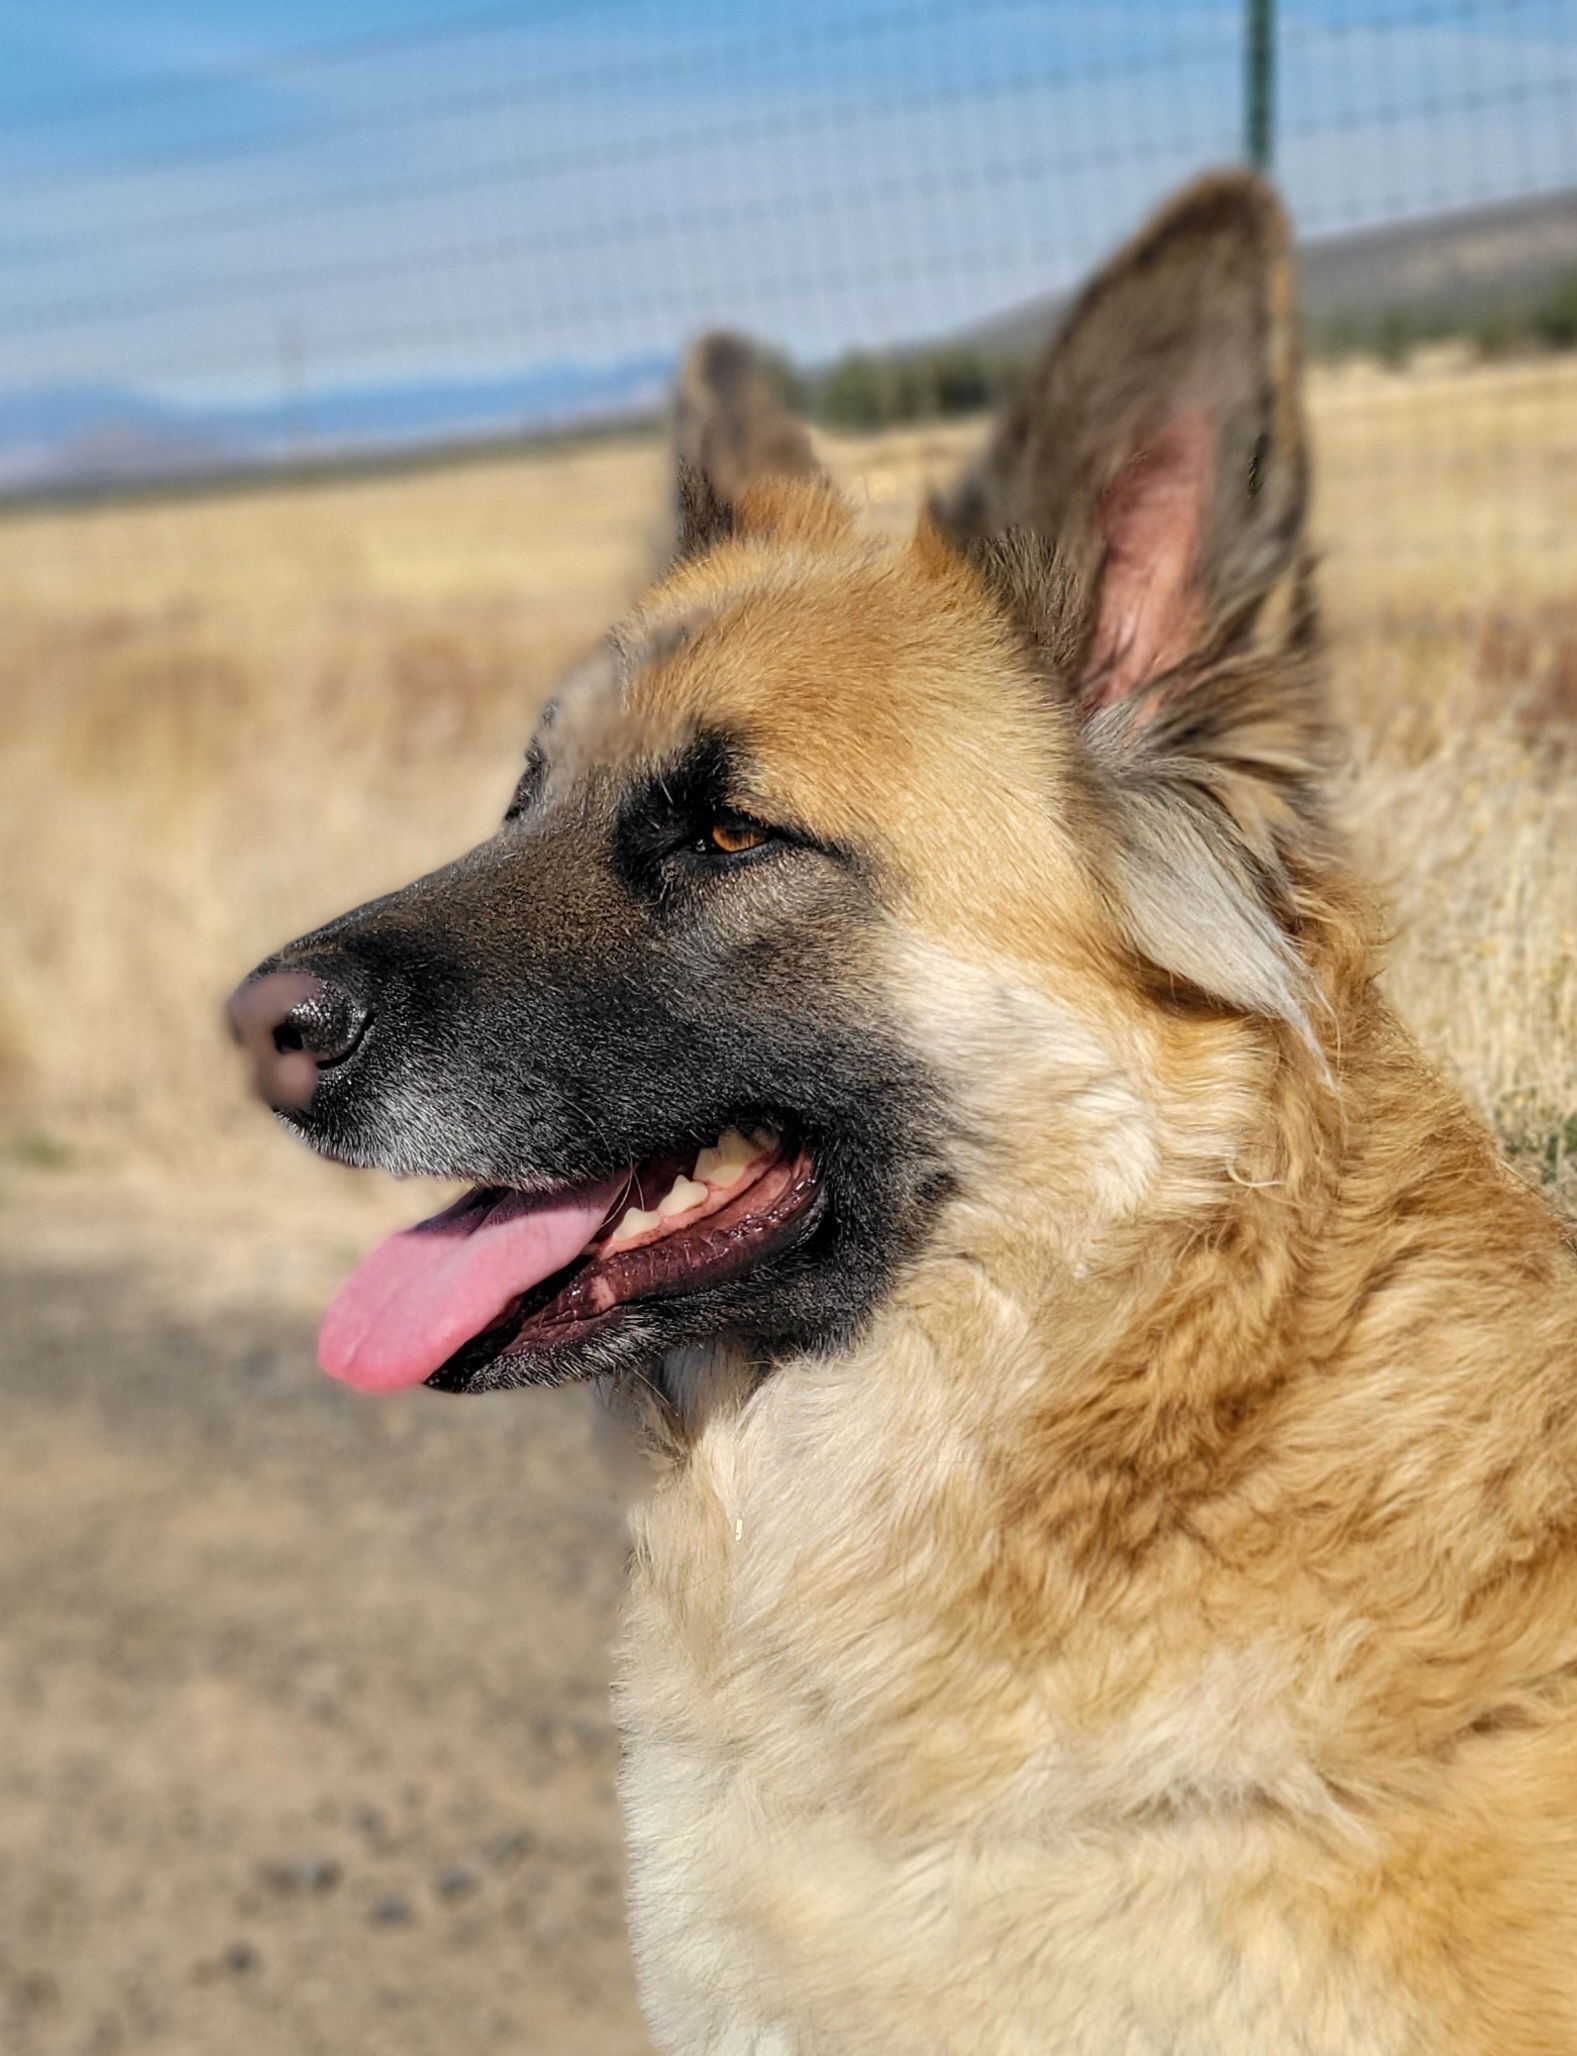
732	838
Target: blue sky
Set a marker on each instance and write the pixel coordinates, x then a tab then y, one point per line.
56	51
218	203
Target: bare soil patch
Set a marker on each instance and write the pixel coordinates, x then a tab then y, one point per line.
304	1742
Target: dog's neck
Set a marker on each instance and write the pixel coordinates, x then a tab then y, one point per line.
1128	1296
1048	1435
1127	1278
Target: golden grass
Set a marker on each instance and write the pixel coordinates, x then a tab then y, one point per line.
225	718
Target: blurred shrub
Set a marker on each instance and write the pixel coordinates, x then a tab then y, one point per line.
1555	316
864	390
1545	319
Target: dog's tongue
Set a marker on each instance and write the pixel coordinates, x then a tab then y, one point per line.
408	1307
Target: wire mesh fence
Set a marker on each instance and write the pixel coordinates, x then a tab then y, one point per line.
513	218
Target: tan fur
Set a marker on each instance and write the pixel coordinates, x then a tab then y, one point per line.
1157	1636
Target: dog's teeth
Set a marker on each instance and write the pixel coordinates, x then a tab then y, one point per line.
680	1197
726	1162
635	1222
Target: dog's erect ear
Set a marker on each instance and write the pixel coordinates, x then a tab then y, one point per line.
1140	511
732	430
1158	448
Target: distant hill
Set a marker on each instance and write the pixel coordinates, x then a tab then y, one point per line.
1442	275
1503	276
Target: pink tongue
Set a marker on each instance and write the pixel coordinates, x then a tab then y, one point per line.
408	1307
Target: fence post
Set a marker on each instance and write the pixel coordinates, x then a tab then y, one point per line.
1259	84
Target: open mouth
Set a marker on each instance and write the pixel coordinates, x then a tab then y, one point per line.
504	1274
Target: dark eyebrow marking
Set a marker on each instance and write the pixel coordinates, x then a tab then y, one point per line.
694	782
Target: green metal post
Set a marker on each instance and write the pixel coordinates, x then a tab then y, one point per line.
1259	95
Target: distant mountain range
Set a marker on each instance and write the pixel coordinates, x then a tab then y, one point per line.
84	437
1436	275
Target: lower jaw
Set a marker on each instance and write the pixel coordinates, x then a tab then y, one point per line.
544	1339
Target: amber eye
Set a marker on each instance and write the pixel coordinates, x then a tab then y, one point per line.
729	838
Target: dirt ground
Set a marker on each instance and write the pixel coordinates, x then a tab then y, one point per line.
304	1742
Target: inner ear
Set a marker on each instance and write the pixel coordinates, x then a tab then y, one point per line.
1151	522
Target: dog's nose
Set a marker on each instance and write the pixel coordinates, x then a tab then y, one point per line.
292	1024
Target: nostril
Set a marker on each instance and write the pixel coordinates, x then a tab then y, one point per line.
327	1023
294	1025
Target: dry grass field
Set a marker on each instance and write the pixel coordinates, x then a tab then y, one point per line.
224	718
302	1742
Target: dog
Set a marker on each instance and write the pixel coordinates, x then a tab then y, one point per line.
1108	1580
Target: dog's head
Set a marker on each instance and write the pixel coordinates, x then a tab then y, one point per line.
845	882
